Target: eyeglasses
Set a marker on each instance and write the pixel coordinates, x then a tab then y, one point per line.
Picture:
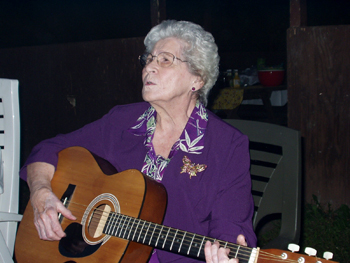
164	59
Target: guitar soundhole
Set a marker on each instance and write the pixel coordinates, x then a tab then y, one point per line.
73	245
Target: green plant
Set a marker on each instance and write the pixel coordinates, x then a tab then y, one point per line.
326	229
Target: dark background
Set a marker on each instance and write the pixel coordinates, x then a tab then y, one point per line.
249	25
243	30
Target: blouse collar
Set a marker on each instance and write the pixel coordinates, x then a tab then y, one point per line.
192	138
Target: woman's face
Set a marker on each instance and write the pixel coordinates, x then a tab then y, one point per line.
172	84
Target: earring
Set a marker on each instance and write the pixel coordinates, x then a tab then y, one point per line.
193	89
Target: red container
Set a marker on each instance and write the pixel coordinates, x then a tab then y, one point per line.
271	77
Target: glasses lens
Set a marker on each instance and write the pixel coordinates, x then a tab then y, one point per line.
165	59
143	60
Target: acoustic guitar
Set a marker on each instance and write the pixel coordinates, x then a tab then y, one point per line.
119	218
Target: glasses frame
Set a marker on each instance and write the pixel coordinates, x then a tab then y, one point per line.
143	62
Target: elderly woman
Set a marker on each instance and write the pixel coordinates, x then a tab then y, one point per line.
162	137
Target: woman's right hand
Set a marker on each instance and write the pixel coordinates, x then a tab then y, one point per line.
46	208
45	204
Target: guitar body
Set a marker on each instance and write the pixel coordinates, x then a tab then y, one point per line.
129	192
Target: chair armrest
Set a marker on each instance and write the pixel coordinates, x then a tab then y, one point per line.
10	217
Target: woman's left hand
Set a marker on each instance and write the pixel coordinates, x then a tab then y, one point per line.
216	254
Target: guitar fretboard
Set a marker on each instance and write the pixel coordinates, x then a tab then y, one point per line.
169	239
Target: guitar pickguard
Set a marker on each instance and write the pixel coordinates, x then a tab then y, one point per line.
73	245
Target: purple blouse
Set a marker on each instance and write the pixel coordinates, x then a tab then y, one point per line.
190	141
209	193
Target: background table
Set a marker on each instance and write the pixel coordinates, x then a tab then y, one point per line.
229	99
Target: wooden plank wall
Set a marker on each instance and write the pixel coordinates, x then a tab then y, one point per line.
319	106
96	75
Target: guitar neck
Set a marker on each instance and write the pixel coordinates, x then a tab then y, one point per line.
170	239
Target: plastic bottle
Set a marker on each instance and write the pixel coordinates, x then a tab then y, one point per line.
236	80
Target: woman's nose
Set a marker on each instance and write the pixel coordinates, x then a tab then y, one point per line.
152	66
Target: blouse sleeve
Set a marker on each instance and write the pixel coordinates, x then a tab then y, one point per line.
93	136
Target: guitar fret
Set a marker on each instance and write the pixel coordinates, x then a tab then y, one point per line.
172	243
110	230
182	242
127	227
118	225
146	233
113	223
154	229
225	245
160	233
166	237
140	233
189	247
138	222
200	248
131	230
239	246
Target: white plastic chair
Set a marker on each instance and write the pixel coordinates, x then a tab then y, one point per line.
275	155
9	167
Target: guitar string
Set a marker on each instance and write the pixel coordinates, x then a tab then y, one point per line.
142	231
180	235
198	238
123	229
102	212
119	220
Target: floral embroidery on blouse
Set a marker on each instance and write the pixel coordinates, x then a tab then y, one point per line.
191	140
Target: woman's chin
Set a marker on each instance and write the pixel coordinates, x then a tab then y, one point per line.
149	94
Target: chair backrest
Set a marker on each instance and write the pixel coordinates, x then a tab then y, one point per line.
275	153
10	147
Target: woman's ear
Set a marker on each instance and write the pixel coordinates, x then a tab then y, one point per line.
198	82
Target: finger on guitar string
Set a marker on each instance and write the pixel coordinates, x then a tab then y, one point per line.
65	212
241	240
216	254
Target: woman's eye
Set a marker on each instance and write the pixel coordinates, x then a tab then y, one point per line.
164	60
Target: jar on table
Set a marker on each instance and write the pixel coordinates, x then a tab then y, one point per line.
236	80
